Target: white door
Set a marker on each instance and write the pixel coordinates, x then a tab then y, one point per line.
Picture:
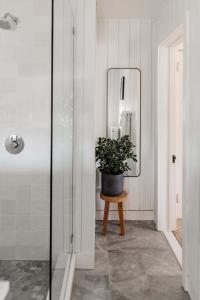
175	134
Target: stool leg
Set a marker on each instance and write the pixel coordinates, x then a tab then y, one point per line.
121	217
105	220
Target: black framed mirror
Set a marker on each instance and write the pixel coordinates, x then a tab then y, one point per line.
124	110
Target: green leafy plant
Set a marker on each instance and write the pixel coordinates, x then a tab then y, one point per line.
112	155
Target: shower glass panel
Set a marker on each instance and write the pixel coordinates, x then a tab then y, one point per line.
25	106
62	146
36	128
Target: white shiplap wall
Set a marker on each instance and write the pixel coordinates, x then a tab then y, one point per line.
128	43
84	148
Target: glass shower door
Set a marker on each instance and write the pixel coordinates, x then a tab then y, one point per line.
62	145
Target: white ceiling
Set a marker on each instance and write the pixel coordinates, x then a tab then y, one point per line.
129	8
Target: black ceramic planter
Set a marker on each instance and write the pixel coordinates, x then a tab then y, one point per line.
112	185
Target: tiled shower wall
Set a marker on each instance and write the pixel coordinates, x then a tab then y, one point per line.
25	93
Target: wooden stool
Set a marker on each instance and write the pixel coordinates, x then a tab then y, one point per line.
119	201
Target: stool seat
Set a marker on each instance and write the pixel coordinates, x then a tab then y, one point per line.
114	199
119	201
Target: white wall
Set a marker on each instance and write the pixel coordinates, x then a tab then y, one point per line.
128	43
25	93
129	8
84	152
188	13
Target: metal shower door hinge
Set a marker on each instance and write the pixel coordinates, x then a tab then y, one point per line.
72	238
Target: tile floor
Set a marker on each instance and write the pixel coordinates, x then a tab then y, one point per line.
139	266
29	280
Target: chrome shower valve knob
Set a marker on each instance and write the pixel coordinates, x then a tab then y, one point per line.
14	144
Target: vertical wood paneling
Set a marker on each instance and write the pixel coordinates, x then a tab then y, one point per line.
112	43
124	40
135	44
84	175
127	43
146	124
112	54
101	87
101	93
88	131
135	62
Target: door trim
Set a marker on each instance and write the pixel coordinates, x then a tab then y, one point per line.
163	128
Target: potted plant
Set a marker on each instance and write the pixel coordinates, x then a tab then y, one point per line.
112	156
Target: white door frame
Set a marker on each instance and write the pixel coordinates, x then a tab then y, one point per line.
162	216
163	206
166	214
161	136
175	134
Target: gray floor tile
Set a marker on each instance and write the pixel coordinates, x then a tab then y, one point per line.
137	288
160	262
89	285
125	265
138	266
167	287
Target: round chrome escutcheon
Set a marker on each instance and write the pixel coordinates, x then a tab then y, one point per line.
14	144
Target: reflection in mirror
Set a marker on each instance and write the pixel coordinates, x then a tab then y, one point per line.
124	110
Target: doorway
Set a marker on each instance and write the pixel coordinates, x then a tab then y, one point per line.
170	139
176	139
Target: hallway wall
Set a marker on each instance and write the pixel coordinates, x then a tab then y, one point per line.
128	43
128	9
84	147
188	13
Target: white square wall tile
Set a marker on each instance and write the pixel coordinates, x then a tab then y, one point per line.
40	223
23	192
22	253
7	252
23	223
40	192
8	207
8	191
39	253
23	238
40	238
7	223
39	207
7	238
23	207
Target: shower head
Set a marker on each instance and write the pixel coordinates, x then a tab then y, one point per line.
8	22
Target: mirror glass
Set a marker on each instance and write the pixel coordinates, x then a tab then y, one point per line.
124	110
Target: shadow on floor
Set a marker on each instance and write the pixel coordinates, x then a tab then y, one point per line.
139	266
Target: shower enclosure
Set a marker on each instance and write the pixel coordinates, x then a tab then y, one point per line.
36	150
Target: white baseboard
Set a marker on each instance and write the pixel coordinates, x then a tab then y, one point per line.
129	215
174	245
85	261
